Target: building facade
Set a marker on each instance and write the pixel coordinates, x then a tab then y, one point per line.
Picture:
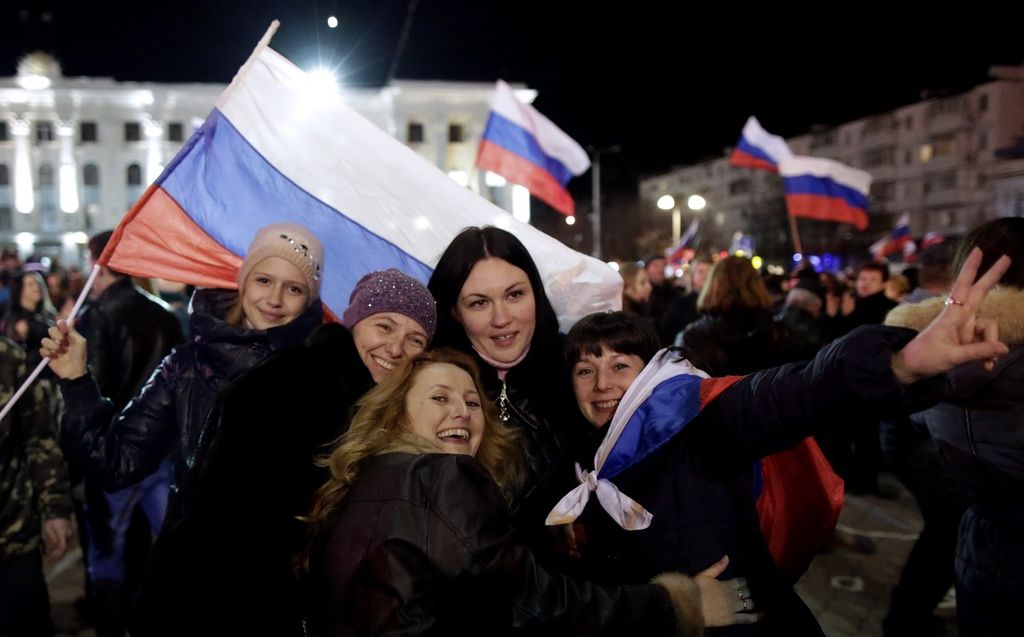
935	160
76	153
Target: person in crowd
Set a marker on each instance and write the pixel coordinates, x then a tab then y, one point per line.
412	533
979	432
801	316
129	332
662	290
934	275
897	288
683	309
391	317
696	477
491	304
35	501
29	314
636	289
736	333
276	306
869	303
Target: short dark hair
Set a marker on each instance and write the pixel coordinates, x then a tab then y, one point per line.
996	238
97	244
620	332
875	266
468	248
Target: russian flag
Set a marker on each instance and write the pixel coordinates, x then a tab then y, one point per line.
278	146
898	241
525	148
826	190
758	148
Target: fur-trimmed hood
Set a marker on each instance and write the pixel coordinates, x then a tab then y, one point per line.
1004	304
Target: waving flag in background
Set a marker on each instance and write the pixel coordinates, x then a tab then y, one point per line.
898	241
758	148
278	147
826	190
525	148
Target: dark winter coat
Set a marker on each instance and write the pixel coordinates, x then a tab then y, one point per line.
239	529
422	545
980	433
738	342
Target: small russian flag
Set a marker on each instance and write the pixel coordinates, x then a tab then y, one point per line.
758	148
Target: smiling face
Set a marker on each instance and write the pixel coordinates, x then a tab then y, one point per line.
443	406
498	310
599	383
386	338
274	294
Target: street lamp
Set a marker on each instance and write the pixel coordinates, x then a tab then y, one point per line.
668	202
595	194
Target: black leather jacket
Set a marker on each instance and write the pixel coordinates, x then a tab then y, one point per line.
168	415
129	333
422	545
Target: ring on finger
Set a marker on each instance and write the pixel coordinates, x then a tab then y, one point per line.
951	301
746	606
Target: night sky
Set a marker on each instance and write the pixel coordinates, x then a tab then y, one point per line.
671	84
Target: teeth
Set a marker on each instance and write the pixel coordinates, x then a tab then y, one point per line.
383	363
505	337
461	434
608	404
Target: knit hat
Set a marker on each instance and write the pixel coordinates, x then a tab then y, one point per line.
291	242
391	291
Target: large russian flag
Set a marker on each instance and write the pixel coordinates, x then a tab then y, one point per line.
826	190
757	148
277	147
525	148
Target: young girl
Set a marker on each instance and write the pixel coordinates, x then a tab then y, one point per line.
413	537
693	468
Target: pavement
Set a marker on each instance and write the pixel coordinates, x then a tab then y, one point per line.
846	587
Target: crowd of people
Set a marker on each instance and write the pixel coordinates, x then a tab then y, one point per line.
393	474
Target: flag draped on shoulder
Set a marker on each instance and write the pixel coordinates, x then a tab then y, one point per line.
279	147
527	149
667	395
826	190
759	149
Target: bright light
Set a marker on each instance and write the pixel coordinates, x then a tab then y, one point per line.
421	223
68	188
33	82
815	260
494	180
740	253
798	257
570	220
521	204
696	202
332	22
80	238
321	83
756	262
460	177
614	265
25	241
666	202
24	196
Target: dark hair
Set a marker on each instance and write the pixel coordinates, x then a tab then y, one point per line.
620	332
996	238
875	266
17	284
468	248
97	244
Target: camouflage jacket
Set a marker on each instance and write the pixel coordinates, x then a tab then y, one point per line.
33	477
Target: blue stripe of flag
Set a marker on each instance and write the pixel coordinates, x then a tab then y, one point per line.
755	151
813	185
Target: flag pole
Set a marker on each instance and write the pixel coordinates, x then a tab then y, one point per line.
795	234
43	363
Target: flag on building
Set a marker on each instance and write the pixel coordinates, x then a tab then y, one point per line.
281	146
826	190
527	149
897	242
758	148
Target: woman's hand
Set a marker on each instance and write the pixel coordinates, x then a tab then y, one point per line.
724	602
66	350
956	335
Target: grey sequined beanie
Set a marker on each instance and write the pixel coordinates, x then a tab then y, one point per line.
391	291
291	242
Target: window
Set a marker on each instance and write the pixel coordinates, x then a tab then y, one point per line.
455	133
940	181
983	102
5	134
175	132
5	175
908	156
44	132
91	175
132	132
982	141
87	132
134	176
414	133
943	145
909	122
739	186
883	190
45	175
878	157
